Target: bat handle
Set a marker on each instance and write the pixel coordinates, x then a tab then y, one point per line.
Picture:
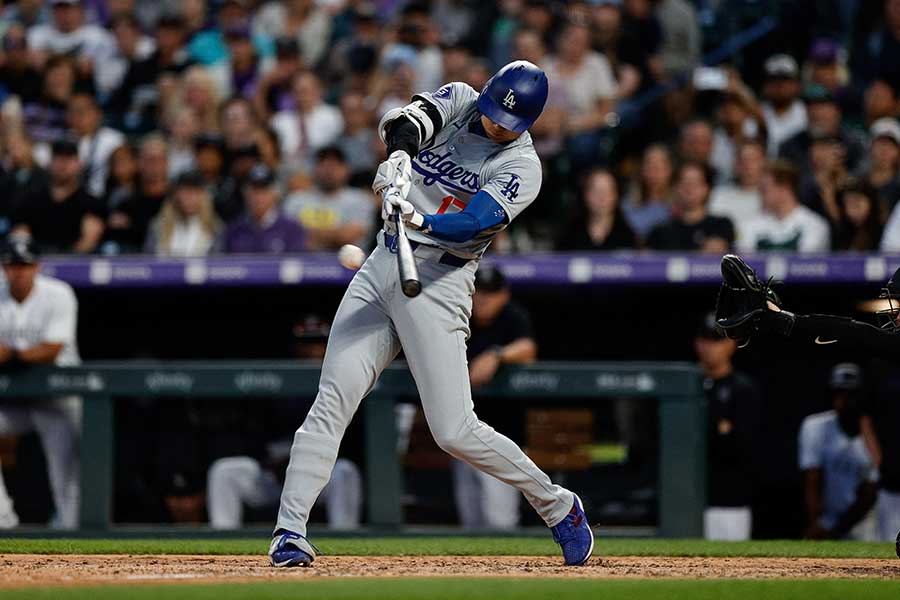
406	263
409	276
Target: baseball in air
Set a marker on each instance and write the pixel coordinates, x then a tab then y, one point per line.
352	257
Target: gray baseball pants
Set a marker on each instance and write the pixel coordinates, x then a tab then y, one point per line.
373	321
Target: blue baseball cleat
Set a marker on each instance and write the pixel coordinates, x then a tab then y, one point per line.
574	536
291	549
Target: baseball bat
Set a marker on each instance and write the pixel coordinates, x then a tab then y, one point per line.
406	264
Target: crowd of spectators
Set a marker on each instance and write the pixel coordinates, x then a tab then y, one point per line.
191	127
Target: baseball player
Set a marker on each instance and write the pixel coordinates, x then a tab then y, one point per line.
460	167
840	475
746	306
38	317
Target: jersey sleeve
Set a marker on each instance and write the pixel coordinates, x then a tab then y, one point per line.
810	445
515	183
851	334
63	319
451	99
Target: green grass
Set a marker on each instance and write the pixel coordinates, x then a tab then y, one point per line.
470	588
489	589
456	546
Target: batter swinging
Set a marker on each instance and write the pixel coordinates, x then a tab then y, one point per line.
460	167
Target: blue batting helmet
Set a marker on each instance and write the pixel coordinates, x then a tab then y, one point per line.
515	96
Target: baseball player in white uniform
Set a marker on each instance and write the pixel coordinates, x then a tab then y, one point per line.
840	475
460	167
233	482
38	319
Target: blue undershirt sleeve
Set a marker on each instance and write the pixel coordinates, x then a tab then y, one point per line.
481	213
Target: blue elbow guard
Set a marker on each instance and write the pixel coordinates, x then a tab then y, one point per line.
482	212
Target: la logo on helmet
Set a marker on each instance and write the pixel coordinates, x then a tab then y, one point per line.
510	99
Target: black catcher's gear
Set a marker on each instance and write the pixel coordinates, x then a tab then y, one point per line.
742	306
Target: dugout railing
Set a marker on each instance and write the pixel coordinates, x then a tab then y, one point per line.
676	386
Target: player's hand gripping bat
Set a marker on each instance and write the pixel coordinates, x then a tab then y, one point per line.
406	263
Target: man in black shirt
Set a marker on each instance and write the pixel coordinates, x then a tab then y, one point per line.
130	219
273	92
734	409
61	216
501	328
825	122
138	95
229	200
692	227
628	40
19	177
17	75
501	334
877	54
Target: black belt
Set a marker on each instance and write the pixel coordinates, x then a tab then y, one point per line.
390	242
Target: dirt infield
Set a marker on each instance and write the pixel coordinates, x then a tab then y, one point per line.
31	570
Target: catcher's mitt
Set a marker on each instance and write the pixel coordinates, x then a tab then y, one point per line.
742	301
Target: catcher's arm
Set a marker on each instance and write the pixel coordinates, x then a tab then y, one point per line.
740	313
849	333
747	305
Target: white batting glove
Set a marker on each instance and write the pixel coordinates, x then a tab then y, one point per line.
395	171
393	205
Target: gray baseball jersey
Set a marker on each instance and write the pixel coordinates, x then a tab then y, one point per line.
375	320
457	163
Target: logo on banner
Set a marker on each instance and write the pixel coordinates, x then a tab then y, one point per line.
263	381
534	380
159	381
89	382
